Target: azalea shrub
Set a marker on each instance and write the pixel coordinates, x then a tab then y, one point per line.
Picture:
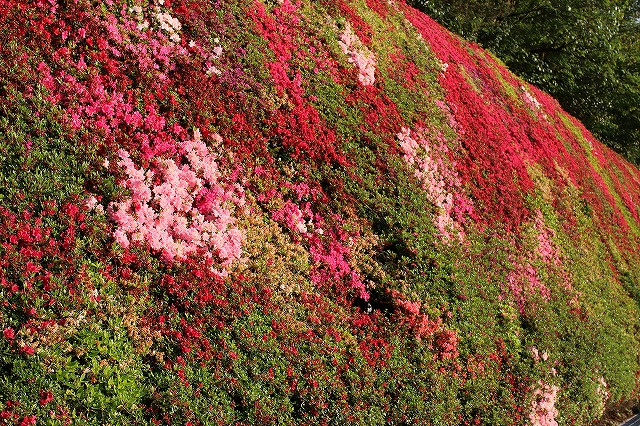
297	212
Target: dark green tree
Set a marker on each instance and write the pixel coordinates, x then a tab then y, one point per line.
584	52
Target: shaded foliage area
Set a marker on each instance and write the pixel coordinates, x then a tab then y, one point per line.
584	52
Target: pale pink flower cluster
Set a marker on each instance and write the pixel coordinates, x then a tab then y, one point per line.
217	52
169	24
359	55
549	252
529	99
297	219
438	176
444	107
537	356
603	393
543	411
180	209
93	205
164	21
138	13
525	278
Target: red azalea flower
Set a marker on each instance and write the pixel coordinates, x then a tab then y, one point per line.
45	397
28	421
9	333
27	350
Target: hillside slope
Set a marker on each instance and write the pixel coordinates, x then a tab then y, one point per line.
309	212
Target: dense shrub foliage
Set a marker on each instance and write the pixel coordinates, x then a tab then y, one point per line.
308	212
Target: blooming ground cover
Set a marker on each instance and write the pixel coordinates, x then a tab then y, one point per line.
300	212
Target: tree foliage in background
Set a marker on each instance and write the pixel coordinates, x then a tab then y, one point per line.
586	53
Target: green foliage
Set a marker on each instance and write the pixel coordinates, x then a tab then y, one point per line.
39	162
90	362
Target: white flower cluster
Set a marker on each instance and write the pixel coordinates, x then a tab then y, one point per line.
530	99
217	52
163	20
169	24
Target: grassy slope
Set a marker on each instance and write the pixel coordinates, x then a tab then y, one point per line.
327	212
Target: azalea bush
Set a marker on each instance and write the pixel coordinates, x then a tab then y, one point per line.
330	212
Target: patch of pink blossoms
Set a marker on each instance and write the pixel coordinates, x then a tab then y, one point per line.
438	176
180	209
524	281
543	410
530	100
359	55
603	393
331	256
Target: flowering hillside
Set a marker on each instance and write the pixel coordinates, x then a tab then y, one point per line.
300	212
